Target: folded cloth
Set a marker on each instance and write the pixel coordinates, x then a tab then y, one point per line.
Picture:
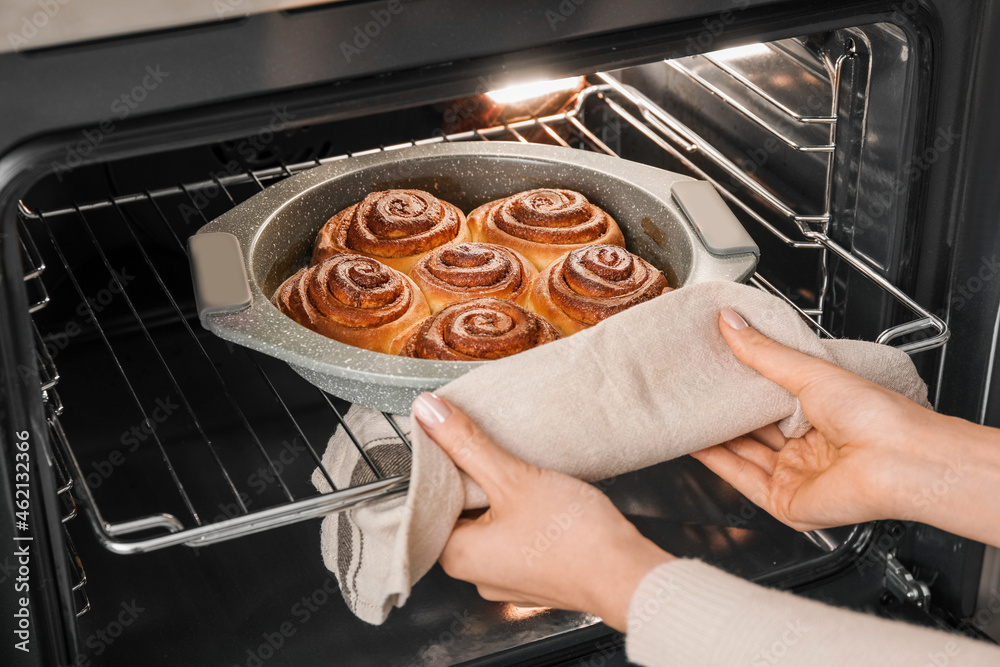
358	544
647	385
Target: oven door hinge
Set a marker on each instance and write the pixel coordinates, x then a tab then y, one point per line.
903	585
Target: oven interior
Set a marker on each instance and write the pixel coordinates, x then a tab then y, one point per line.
173	440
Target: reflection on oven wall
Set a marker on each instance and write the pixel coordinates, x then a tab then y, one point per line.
818	129
811	135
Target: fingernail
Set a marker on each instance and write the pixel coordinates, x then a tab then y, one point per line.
733	319
430	410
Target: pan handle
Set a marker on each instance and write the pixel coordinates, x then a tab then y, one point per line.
219	274
718	228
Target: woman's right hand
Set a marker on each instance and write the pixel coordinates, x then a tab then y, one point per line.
871	454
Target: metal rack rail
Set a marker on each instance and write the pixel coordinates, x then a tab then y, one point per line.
158	530
698	155
34	266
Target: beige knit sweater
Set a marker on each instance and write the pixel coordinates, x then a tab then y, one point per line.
688	613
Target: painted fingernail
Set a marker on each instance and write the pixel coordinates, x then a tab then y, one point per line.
733	319
430	410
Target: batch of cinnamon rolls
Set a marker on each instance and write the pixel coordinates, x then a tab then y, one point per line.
403	272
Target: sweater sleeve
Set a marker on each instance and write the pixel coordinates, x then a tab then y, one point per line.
688	613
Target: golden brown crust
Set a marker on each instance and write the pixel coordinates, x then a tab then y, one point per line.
476	330
544	224
396	227
353	299
590	284
462	271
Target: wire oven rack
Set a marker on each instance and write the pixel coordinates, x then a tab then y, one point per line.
34	267
157	530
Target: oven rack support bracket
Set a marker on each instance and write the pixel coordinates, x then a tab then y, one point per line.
903	585
676	138
33	266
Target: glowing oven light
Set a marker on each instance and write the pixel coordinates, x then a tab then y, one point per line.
527	91
745	51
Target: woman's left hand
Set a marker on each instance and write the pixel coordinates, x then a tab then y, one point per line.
547	539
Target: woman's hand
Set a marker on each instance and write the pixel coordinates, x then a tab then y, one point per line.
547	539
871	454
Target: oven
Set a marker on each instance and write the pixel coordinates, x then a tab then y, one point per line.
165	513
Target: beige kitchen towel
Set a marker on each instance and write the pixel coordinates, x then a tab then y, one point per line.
358	544
647	385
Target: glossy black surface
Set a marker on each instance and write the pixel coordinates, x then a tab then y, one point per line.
210	606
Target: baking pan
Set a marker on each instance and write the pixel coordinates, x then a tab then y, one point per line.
678	224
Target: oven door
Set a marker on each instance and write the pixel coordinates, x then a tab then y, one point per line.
207	89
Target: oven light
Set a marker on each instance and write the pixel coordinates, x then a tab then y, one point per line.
526	91
745	51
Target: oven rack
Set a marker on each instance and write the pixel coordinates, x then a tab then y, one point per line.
694	69
34	266
669	134
681	142
111	534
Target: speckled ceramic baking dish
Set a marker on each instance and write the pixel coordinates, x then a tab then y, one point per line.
680	225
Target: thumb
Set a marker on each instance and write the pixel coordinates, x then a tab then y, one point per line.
790	368
495	469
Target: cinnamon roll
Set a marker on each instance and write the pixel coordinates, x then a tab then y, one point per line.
476	330
544	224
462	271
353	299
590	284
396	227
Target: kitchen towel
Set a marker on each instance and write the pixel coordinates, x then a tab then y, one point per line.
647	385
